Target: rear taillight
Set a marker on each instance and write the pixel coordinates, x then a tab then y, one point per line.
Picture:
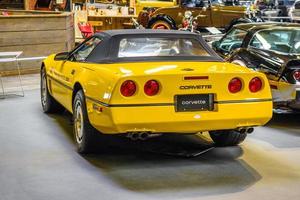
128	88
296	75
151	87
235	85
255	84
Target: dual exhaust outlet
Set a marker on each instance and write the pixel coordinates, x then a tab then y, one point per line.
141	135
247	130
146	135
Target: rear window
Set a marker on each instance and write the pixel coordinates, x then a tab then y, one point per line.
285	41
166	47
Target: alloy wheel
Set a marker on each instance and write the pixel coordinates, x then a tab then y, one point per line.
78	122
44	89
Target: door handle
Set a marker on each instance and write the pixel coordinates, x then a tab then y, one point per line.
73	71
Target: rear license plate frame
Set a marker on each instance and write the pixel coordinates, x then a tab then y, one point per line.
194	102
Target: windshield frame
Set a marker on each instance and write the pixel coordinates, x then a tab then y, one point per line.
228	33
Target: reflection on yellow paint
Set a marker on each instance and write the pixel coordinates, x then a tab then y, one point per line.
159	69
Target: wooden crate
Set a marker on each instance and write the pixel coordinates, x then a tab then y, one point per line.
36	33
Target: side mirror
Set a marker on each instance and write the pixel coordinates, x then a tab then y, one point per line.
215	44
61	56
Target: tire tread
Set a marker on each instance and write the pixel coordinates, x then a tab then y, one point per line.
227	137
91	135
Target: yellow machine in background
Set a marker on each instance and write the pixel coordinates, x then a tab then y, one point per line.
144	4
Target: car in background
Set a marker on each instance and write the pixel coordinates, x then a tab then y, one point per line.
271	48
294	11
219	14
143	83
276	10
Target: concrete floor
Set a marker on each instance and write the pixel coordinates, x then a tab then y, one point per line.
38	161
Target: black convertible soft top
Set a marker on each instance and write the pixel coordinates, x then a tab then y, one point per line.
107	50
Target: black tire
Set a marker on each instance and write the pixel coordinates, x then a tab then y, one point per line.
49	104
86	136
227	137
161	23
162	20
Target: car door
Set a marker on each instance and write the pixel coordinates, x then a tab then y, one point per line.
198	8
55	85
267	63
222	15
71	67
145	4
260	49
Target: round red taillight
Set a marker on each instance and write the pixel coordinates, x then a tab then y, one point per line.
235	85
255	84
296	75
128	88
151	87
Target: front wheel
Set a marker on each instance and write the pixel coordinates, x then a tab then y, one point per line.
85	134
227	137
49	104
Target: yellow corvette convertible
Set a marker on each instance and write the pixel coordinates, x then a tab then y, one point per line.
142	83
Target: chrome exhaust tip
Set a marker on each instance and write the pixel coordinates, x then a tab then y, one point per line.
250	130
244	130
142	135
133	136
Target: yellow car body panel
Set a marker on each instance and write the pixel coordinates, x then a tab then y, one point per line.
111	113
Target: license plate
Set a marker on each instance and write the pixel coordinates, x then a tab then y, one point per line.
194	102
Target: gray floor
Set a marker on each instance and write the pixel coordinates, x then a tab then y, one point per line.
38	161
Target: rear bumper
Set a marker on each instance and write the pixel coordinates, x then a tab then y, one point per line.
163	118
293	102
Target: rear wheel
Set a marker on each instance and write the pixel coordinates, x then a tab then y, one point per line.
49	104
227	137
85	134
